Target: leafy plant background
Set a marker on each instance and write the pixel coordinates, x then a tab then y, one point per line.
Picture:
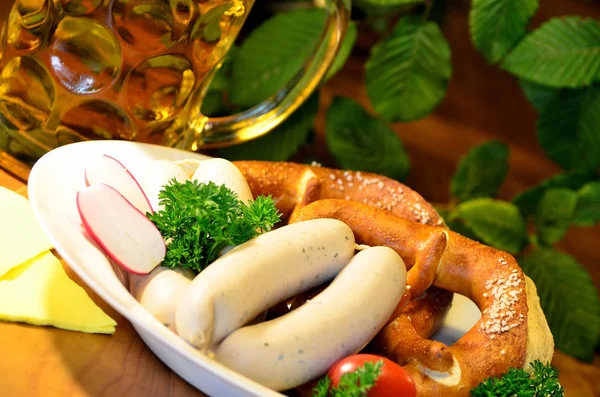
406	77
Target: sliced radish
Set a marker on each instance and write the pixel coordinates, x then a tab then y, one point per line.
126	235
108	170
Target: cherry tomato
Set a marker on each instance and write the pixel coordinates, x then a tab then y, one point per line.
393	380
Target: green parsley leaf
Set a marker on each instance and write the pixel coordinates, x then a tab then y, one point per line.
517	382
199	220
351	384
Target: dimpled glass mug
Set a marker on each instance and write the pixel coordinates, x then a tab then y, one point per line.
73	70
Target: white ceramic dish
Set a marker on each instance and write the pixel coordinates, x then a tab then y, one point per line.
53	184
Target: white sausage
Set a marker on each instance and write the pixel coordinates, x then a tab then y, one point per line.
189	166
224	172
255	275
160	290
157	176
303	344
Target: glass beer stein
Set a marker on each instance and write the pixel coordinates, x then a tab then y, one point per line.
73	70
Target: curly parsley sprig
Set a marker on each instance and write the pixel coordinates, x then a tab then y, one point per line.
517	382
352	384
199	220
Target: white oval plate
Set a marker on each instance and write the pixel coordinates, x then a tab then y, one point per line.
53	184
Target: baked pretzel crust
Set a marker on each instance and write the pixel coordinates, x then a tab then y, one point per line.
437	256
294	186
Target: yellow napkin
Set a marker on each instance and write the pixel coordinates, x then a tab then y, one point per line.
21	237
34	287
39	292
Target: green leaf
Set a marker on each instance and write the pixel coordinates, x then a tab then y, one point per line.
538	95
458	226
207	26
213	103
480	172
527	200
568	128
361	142
497	25
569	300
275	52
587	212
563	52
407	73
281	143
344	51
554	213
496	223
384	3
223	76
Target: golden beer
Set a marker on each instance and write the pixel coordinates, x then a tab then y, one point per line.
73	70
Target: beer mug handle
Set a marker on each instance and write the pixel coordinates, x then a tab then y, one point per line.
257	121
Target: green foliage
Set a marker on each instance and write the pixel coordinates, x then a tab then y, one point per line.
273	54
481	172
569	300
528	200
517	382
213	103
344	52
408	72
538	95
497	223
384	3
361	142
283	142
587	212
568	128
554	214
563	52
497	25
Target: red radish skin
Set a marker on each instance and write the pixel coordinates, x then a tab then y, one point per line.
108	170
125	234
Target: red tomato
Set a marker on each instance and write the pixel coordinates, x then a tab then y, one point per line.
393	380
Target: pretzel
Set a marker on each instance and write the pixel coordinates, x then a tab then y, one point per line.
293	186
512	330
